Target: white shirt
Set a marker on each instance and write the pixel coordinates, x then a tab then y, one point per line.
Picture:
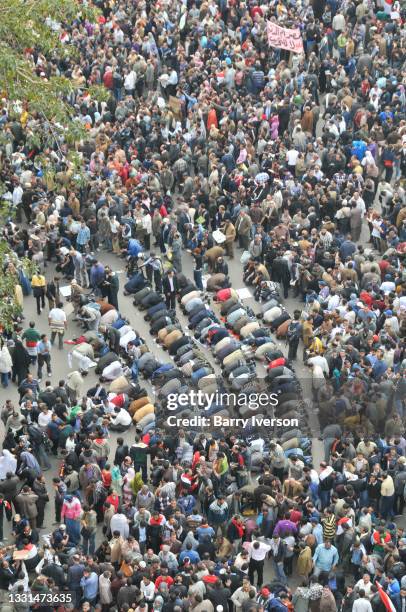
130	80
319	361
273	313
338	22
44	419
387	286
350	317
147	590
258	554
146	223
109	317
119	522
400	302
366	587
360	205
333	302
393	322
292	156
70	444
361	605
122	418
314	477
118	36
17	195
57	316
173	78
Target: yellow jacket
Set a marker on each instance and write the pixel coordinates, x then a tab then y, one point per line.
316	346
38	281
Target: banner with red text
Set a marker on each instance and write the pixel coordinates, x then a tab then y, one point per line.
285	38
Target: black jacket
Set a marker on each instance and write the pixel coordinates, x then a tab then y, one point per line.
219	597
121	454
10	487
166	286
54	571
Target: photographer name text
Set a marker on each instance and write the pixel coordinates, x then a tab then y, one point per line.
220	421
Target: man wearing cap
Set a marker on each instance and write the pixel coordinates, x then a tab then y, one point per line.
219	595
264	597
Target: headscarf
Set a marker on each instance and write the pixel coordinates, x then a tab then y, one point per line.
8	463
368	159
6	358
136	483
158	603
129	476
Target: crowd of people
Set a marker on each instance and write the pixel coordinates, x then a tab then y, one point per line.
216	152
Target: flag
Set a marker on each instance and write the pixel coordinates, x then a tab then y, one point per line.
386	600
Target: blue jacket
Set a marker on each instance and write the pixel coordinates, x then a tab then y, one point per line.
90	586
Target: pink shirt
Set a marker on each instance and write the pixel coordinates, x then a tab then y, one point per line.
71	509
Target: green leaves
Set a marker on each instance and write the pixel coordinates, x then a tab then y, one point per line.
30	33
26	33
9	280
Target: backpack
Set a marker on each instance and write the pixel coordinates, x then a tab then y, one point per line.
293	331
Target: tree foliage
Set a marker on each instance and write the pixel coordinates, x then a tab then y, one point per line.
27	30
25	27
9	280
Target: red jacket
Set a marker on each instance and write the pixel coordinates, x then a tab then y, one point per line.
108	79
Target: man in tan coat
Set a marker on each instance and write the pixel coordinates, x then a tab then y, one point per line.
229	231
304	560
212	255
116	545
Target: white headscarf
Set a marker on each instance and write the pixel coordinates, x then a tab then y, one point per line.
8	463
368	159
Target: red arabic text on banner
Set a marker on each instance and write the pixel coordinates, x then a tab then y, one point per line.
285	38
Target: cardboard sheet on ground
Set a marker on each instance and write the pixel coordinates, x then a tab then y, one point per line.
68	309
219	237
244	293
65	291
